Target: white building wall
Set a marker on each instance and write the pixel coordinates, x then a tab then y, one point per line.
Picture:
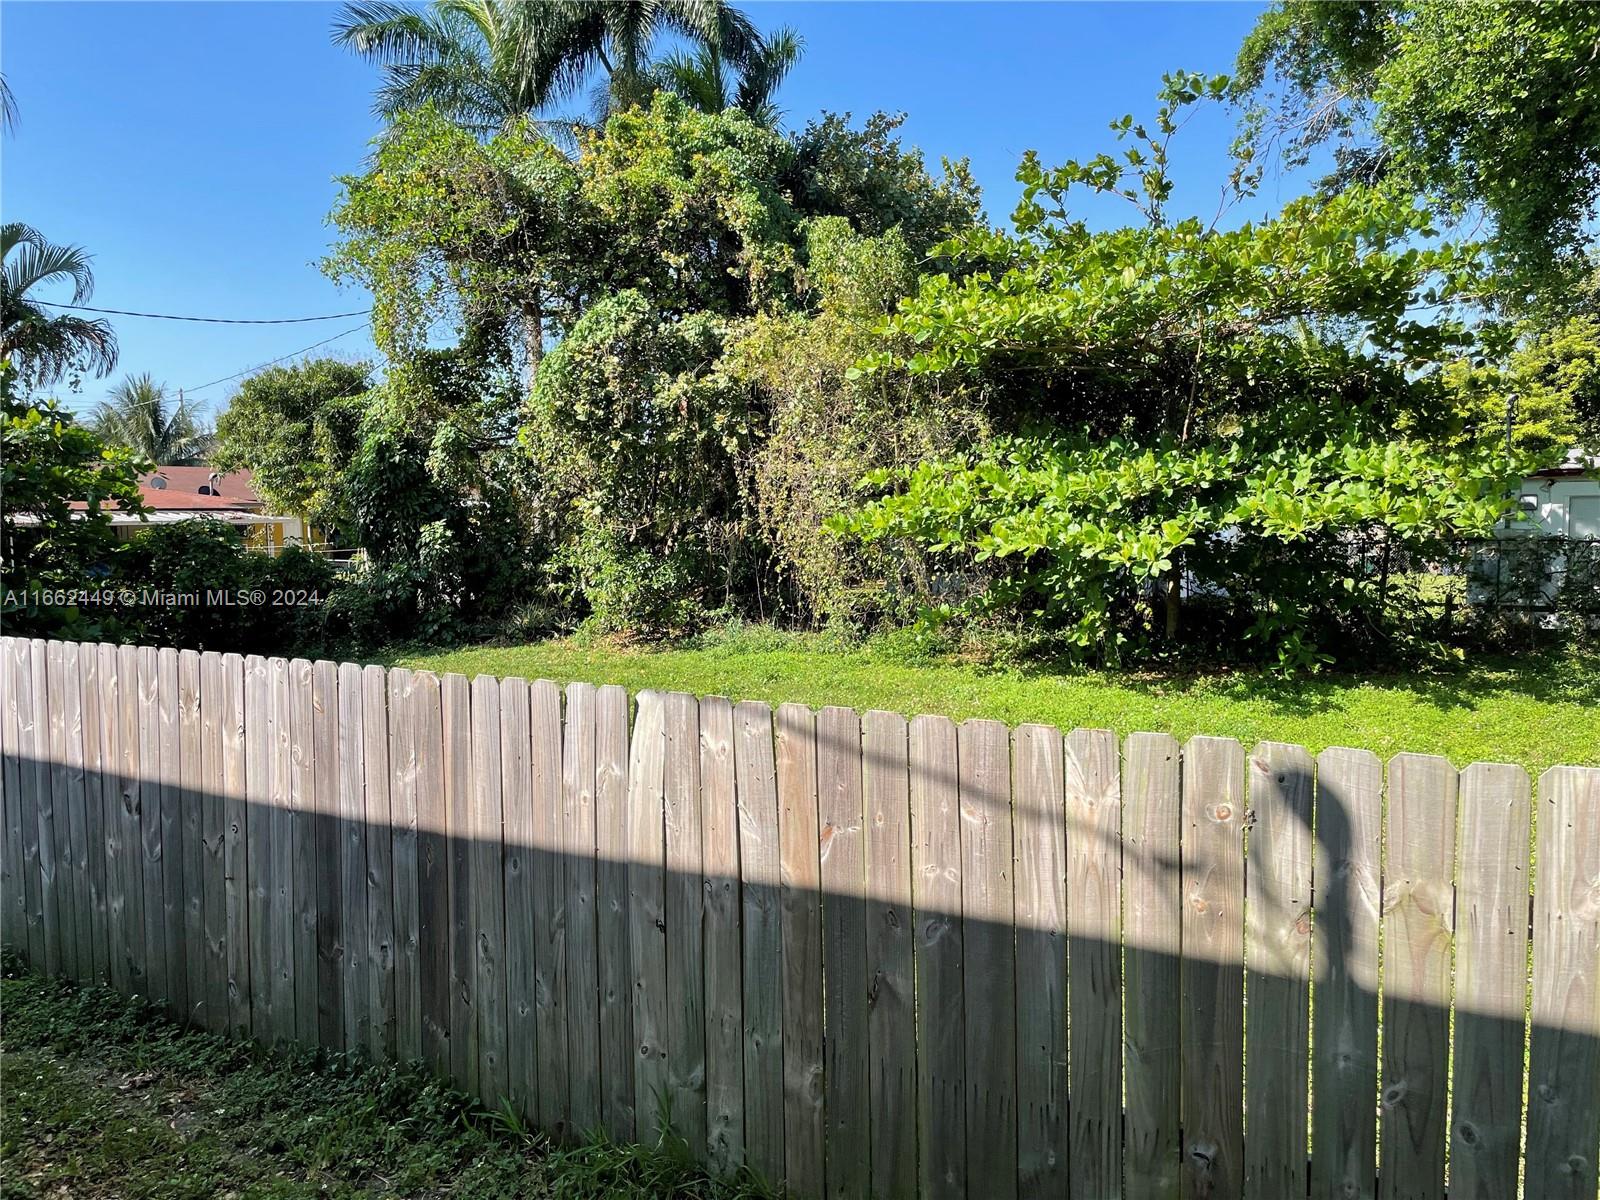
1563	507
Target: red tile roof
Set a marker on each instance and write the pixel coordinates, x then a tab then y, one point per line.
181	492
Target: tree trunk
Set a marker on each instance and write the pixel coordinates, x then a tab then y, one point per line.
1174	598
1383	576
533	332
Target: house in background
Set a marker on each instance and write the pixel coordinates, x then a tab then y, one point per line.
1562	501
175	494
1550	542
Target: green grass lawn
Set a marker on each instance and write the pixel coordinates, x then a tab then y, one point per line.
1537	711
103	1098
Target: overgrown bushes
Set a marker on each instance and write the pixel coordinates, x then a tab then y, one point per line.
251	603
700	371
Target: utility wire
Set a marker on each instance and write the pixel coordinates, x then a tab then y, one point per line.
123	312
184	393
281	358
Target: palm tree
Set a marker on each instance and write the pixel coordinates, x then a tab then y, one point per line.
44	347
619	37
702	78
8	105
485	63
137	416
468	58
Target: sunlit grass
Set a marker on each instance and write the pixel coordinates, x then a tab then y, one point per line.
1537	711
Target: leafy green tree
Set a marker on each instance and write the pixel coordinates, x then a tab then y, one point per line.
1491	106
1545	391
296	427
48	463
825	429
438	500
508	241
691	209
139	415
47	347
447	231
636	435
649	251
869	177
1249	409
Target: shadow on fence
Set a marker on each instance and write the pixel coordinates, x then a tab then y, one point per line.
869	956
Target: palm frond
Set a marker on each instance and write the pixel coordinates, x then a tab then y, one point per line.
386	33
46	349
763	73
461	92
699	78
737	38
31	259
558	46
8	106
136	415
484	63
48	346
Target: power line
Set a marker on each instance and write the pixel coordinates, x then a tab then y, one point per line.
281	358
186	392
123	312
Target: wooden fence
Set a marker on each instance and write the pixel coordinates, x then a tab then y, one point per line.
864	955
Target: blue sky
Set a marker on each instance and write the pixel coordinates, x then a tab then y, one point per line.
193	147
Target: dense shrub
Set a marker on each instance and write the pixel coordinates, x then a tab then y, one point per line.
635	433
202	588
828	426
48	464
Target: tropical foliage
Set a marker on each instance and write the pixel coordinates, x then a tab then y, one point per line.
1544	392
1237	414
648	255
707	79
297	427
673	363
8	106
139	416
61	484
486	63
43	346
1493	107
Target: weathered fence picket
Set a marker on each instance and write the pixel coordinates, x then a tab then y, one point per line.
1277	952
863	955
1039	853
1152	907
767	1000
1212	971
1347	878
524	879
794	1144
719	815
1094	966
1491	988
575	832
1418	916
989	981
936	865
1564	1061
846	1120
614	971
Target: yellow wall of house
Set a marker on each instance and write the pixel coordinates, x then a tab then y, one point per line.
270	537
